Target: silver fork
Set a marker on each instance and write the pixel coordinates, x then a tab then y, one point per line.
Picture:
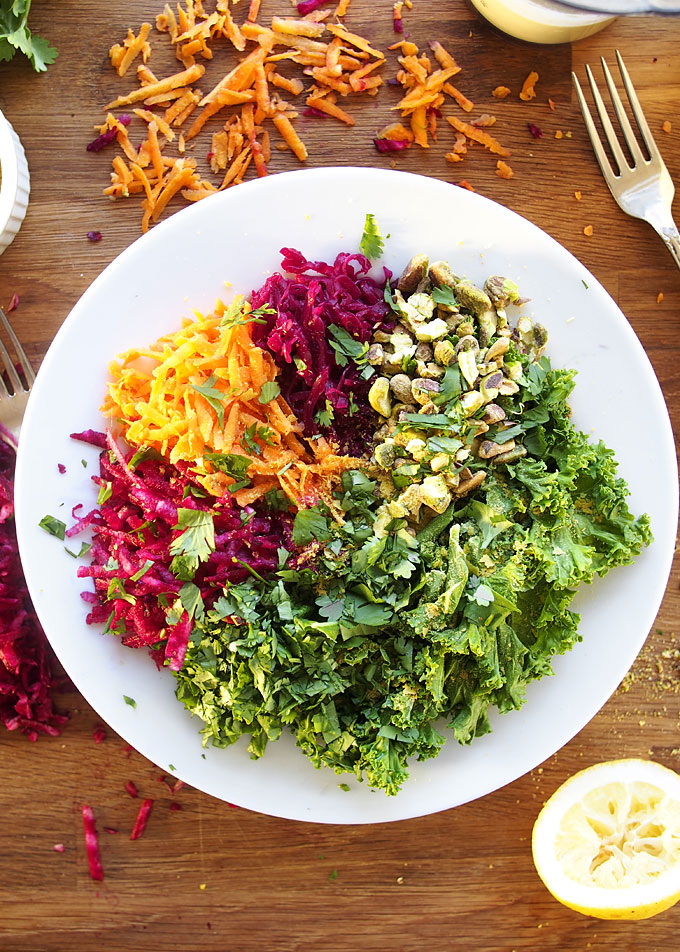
16	381
643	189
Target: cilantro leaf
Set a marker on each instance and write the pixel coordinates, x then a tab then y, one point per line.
236	314
270	391
129	701
54	526
231	464
213	395
371	243
310	524
84	549
444	295
15	35
197	541
253	433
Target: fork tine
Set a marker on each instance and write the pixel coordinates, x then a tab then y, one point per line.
598	149
636	108
10	369
23	359
607	126
628	134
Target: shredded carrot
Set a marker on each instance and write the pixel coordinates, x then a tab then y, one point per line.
528	90
153	392
501	92
185	78
254	10
123	56
588	231
290	136
465	184
462	100
666	126
577	196
659	297
503	170
478	135
552	105
323	105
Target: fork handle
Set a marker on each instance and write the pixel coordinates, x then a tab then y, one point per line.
671	238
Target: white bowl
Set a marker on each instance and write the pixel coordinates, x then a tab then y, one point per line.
235	236
15	184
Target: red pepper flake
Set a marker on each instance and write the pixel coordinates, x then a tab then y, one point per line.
61	468
58	847
142	817
92	843
95	235
131	789
174	806
536	131
13	304
465	184
396	17
99	733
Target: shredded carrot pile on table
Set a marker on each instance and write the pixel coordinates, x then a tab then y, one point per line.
427	91
336	62
208	389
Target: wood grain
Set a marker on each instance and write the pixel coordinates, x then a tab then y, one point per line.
213	878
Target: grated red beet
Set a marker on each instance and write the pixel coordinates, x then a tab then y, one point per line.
142	819
135	527
26	678
308	297
92	843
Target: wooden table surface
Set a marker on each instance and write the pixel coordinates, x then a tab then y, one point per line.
214	878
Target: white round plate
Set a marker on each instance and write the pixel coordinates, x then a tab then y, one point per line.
235	237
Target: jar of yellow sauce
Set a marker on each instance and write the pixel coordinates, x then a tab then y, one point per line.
540	21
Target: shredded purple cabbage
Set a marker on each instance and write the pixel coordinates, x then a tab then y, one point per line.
135	527
26	678
308	297
391	145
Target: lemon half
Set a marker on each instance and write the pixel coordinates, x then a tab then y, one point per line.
607	843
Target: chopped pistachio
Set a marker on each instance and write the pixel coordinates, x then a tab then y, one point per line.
423	389
413	274
472	297
439	461
423	304
379	396
432	330
416	448
468	366
385	455
444	352
471	402
435	493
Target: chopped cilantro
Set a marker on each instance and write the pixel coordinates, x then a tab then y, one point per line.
84	549
105	492
310	524
444	295
197	541
130	701
213	395
252	433
54	526
371	243
270	391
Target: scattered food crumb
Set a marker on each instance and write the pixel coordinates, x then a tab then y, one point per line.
61	468
465	184
528	90
13	304
202	886
400	880
666	126
559	134
131	788
503	170
659	297
58	847
95	235
577	196
535	130
588	231
500	92
552	105
99	733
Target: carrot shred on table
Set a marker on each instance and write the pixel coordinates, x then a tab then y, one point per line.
123	56
528	90
503	170
323	105
183	78
501	92
478	135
